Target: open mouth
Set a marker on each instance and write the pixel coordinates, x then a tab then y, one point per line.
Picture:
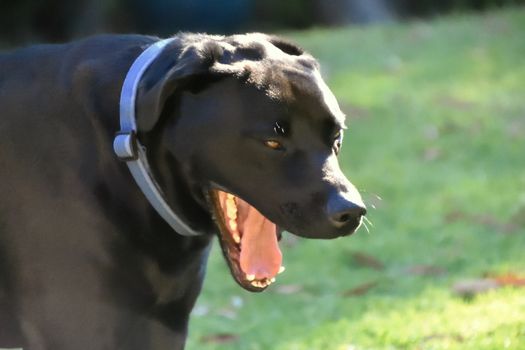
249	241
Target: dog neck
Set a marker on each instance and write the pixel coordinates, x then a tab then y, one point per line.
181	192
129	149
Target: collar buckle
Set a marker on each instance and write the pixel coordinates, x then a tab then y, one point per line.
125	145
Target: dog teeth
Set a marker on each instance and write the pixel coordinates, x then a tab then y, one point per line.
233	224
230	200
265	282
259	284
281	269
231	208
236	237
231	212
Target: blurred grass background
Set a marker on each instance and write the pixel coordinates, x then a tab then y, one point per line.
436	143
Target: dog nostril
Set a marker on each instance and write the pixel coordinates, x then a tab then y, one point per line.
342	212
344	218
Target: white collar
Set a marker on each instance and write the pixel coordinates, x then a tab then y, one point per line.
128	148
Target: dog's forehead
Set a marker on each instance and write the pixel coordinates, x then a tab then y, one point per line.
312	92
284	71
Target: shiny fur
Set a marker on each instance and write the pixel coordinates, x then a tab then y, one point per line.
85	262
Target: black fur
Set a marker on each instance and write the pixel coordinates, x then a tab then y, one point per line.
85	262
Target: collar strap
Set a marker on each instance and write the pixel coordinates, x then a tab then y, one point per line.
128	148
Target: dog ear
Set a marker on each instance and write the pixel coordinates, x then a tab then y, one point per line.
173	70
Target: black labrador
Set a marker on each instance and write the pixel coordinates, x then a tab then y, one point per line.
242	135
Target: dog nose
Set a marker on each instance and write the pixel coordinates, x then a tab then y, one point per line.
342	211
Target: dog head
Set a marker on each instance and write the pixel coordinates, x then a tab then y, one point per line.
255	132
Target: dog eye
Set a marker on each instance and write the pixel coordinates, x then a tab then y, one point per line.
338	141
273	144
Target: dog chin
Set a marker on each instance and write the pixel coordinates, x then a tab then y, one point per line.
316	231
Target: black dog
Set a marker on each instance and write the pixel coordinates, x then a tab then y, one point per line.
242	136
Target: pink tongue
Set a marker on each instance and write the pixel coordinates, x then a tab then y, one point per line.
260	253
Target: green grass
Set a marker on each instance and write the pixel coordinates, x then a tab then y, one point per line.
437	130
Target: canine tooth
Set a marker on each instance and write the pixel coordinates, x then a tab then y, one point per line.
272	279
250	277
281	269
236	238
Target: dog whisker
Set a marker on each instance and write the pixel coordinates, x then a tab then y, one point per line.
368	221
370	198
366	227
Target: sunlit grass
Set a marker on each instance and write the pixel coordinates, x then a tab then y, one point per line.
428	321
437	130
